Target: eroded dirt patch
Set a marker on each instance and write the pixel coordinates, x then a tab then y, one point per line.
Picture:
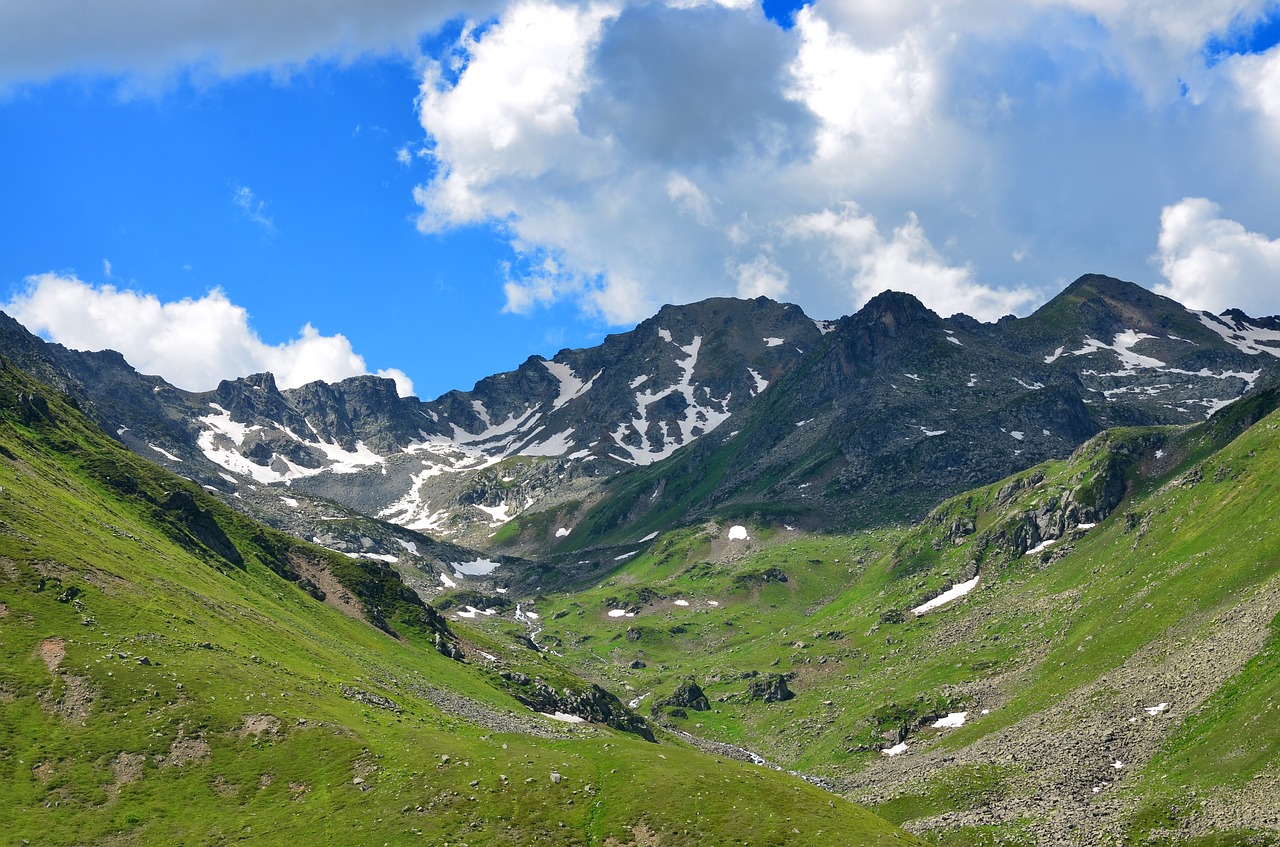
52	652
126	768
255	726
642	836
185	750
76	701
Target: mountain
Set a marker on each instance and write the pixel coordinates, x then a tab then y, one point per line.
174	673
1009	583
459	465
726	407
898	408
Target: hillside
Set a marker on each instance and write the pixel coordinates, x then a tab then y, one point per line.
1102	672
175	673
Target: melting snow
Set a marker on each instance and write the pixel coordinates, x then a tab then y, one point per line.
825	326
913	376
954	340
289	501
164	452
563	531
1018	434
1117	764
571	387
973	380
648	537
497	514
1244	337
665	335
1156	709
761	382
1049	360
625	556
1043	545
562	716
617	613
638	381
698	415
951	721
681	602
1159	454
773	342
932	433
953	593
896	750
1122	345
1032	386
411	546
737	533
122	430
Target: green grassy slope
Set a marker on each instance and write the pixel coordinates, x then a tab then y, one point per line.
1161	585
168	676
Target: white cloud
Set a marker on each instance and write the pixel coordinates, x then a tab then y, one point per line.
192	343
253	209
1214	263
762	278
854	249
664	153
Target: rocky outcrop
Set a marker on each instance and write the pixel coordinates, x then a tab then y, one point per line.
771	688
591	703
687	695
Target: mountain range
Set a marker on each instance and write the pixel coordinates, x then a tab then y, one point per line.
1000	582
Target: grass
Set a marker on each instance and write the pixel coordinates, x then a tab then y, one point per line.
159	686
1163	571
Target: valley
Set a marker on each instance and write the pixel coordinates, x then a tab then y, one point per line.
733	577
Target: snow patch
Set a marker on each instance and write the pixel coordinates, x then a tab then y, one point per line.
563	531
617	613
289	501
737	533
955	592
164	452
562	716
774	342
761	382
1245	337
954	720
571	387
681	602
896	750
954	340
1152	711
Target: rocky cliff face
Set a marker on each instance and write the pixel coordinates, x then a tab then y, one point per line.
898	407
874	417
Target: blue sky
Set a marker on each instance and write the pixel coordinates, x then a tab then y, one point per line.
436	191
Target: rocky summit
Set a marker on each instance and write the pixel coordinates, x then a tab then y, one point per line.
780	416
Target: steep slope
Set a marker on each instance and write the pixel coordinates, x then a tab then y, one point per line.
461	465
169	677
898	408
1082	652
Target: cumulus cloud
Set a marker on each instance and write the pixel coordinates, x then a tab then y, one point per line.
192	343
1215	263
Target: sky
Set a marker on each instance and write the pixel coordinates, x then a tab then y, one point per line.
434	190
